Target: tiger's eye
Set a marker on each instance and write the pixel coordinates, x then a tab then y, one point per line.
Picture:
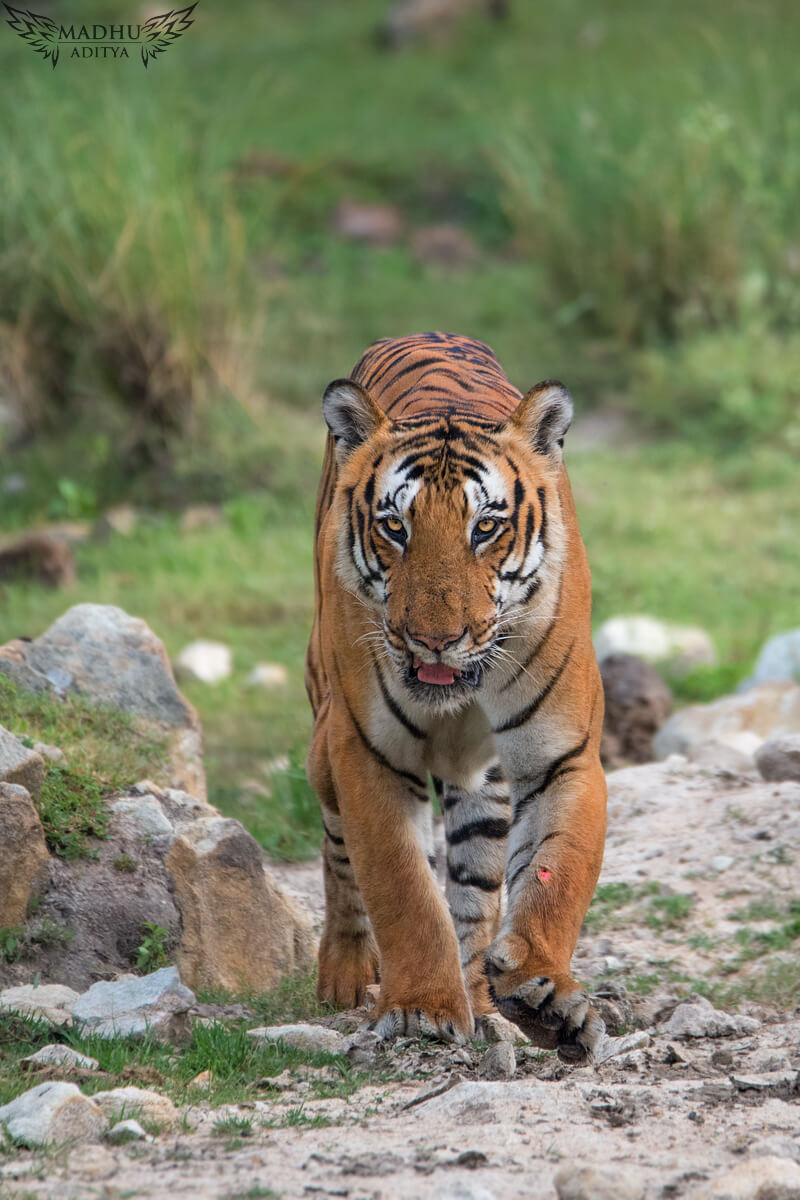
487	525
394	523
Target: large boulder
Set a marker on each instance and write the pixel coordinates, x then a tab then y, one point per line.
637	703
679	648
24	858
53	1114
51	1002
111	658
240	931
19	764
742	721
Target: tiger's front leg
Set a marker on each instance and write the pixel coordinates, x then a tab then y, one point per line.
553	860
422	989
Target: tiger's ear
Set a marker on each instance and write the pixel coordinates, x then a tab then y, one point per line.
544	416
352	416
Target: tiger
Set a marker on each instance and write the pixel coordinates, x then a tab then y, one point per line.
451	656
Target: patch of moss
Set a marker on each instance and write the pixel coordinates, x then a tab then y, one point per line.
72	810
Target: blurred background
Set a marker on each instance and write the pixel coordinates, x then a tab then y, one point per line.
606	192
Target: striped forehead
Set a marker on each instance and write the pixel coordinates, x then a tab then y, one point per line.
447	471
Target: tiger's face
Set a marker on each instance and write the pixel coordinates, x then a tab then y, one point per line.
448	526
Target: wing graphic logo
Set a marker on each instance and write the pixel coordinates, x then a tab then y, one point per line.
161	32
41	33
77	40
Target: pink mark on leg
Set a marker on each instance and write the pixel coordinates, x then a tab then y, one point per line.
545	874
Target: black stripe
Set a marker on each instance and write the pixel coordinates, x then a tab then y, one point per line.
539	645
495	774
394	707
540	492
462	876
488	827
556	768
526	713
337	841
422	794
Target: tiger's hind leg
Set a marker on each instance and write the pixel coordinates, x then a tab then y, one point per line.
348	952
476	828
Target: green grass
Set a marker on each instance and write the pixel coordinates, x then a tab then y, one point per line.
175	299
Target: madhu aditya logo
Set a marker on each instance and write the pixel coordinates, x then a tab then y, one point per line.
49	38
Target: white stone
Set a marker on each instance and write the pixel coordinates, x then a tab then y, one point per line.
53	1114
779	658
51	753
144	814
698	1018
612	1047
132	1005
302	1037
127	1131
721	862
140	1103
679	647
62	1056
757	1179
268	675
49	1002
205	662
742	721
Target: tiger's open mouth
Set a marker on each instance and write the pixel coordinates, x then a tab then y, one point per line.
442	675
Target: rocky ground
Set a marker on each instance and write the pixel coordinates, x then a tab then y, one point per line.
689	949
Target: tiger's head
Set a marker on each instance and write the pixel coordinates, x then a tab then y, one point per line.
448	527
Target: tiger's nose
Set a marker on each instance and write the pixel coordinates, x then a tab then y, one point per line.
438	641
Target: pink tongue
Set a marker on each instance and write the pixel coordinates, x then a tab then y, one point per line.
435	672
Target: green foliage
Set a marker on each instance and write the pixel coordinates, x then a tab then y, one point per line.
666	912
294	999
152	950
72	810
112	746
125	864
12	943
233	1127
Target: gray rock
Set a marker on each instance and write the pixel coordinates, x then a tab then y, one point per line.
721	862
301	1036
779	758
584	1181
48	1002
20	765
204	662
718	756
742	721
132	1006
126	1131
114	659
144	815
50	753
53	1114
24	859
146	1105
499	1062
362	1047
612	1047
697	1018
679	648
637	703
779	658
61	1056
757	1179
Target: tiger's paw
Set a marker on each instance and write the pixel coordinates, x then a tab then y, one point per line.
443	1020
344	976
552	1011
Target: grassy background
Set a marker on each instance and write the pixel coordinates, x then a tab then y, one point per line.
175	298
